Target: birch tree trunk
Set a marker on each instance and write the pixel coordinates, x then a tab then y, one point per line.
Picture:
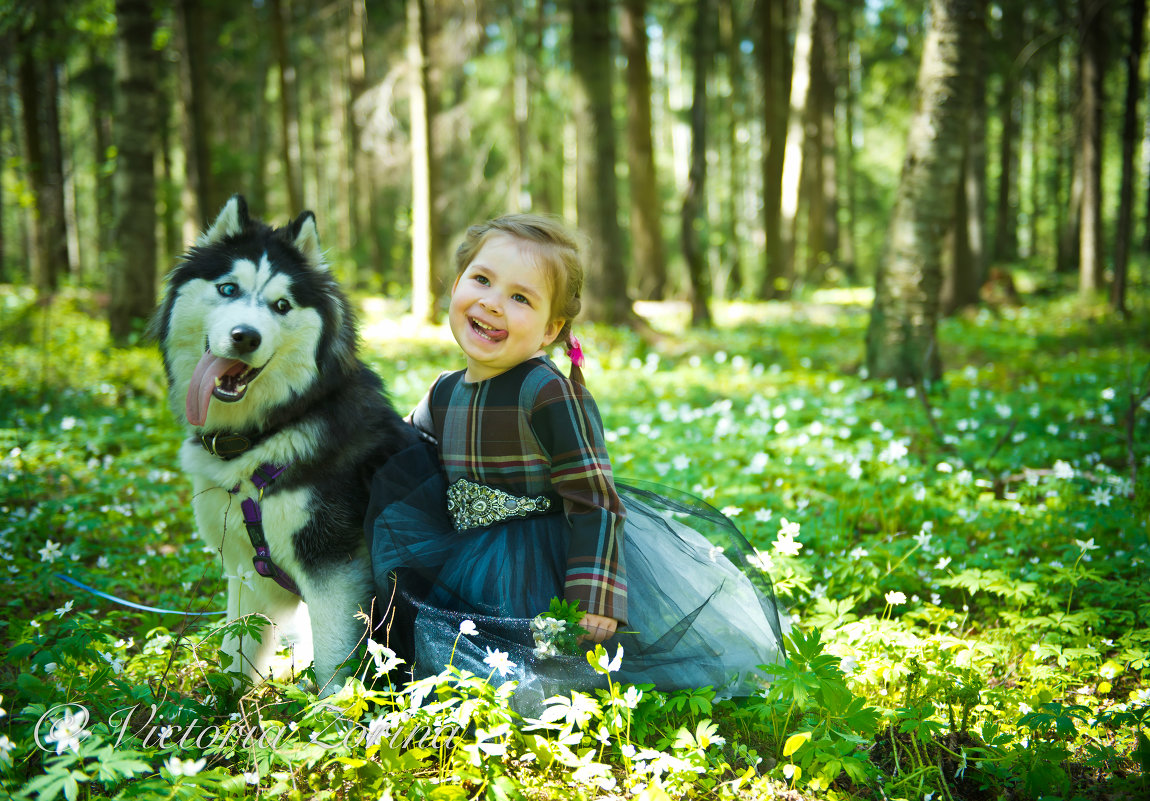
904	318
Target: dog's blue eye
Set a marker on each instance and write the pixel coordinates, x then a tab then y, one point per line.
283	305
227	290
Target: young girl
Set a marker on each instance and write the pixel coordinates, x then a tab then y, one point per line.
515	504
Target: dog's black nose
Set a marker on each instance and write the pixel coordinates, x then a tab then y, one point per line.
245	338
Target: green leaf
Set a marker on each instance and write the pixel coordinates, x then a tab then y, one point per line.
1046	778
47	787
31	685
1142	753
795	742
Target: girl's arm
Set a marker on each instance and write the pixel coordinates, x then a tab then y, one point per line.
566	422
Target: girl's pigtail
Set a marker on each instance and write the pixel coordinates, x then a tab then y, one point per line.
575	354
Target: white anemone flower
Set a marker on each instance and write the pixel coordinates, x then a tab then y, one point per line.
499	661
185	767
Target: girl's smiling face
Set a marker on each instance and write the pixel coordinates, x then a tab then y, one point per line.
500	312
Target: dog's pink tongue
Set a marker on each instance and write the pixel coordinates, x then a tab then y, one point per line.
203	383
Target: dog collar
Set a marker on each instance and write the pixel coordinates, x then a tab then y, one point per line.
228	445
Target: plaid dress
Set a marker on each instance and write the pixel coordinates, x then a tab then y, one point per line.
532	432
508	501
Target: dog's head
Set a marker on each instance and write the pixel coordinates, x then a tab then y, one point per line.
251	322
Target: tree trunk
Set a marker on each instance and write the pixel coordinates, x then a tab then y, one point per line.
549	129
519	58
597	202
693	222
361	198
1123	232
5	97
291	149
852	71
132	282
1070	236
646	232
1069	192
796	143
1090	147
822	220
901	335
77	256
199	195
730	258
261	145
1006	215
42	143
422	263
1033	116
961	283
171	243
773	54
100	78
1146	176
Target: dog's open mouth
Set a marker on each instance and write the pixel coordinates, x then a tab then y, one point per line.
231	386
217	377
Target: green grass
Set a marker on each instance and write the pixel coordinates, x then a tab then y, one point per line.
972	596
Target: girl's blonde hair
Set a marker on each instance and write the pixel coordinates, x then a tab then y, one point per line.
555	248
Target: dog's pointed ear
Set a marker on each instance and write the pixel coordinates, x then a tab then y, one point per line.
305	237
232	220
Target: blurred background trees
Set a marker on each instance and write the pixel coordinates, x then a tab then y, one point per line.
737	149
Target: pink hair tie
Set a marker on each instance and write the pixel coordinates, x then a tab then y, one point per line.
575	351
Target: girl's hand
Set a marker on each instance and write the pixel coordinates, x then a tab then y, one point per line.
598	628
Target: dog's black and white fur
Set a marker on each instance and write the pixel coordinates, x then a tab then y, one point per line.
263	302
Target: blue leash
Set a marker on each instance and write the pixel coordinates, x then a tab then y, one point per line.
141	607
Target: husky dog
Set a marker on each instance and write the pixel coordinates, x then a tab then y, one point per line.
287	426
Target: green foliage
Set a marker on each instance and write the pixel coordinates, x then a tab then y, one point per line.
971	603
558	631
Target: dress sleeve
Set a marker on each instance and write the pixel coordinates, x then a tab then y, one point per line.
566	421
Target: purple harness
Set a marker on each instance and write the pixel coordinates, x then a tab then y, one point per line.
264	475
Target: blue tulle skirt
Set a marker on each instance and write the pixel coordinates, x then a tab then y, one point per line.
699	612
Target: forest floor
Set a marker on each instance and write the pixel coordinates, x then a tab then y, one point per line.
966	565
